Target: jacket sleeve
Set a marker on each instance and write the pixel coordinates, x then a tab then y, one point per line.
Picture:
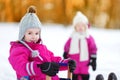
19	59
58	60
92	47
67	45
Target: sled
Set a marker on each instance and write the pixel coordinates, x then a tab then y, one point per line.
69	74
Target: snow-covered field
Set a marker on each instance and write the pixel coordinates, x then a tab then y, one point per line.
54	37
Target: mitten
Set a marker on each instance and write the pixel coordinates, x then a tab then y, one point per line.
93	63
72	65
65	55
49	68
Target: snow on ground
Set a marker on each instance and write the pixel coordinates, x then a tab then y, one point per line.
54	37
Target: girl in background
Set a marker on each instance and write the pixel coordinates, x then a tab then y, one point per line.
81	47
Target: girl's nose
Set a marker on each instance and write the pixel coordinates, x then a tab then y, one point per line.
33	36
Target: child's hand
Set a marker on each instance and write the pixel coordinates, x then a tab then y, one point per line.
65	55
93	63
72	65
49	68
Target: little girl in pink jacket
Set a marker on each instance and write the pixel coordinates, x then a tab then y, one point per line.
29	57
81	47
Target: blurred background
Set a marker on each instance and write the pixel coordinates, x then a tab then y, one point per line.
101	13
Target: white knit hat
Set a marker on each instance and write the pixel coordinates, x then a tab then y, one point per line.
80	17
29	20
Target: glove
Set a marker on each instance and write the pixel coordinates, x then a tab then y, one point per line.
72	65
93	63
49	68
65	55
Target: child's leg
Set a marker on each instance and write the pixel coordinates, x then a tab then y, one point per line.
85	76
75	77
79	77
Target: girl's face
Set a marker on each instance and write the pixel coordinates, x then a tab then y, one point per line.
80	27
32	35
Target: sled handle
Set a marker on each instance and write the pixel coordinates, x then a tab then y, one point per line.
69	74
48	77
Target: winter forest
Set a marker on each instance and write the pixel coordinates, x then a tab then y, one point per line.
56	17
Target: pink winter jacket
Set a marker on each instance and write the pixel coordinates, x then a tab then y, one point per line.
25	65
82	67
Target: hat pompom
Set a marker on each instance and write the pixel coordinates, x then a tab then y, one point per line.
31	9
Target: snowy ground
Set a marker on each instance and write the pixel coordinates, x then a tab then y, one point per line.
54	37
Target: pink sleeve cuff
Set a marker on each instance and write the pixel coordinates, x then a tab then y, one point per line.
32	69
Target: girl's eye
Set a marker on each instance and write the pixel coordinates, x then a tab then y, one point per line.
37	33
29	33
